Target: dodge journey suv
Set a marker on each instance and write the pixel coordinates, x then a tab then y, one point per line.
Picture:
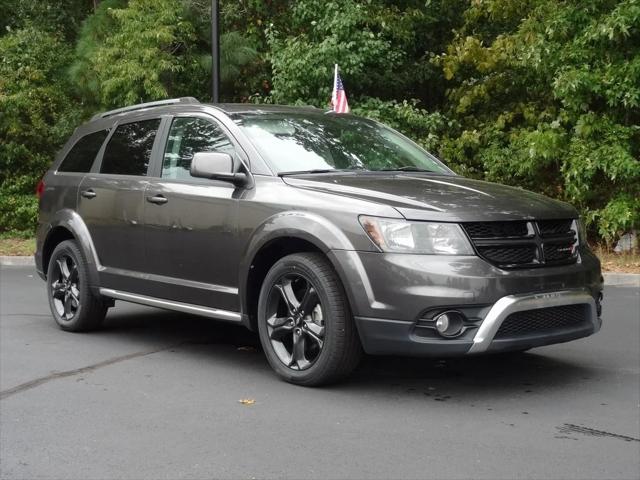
327	234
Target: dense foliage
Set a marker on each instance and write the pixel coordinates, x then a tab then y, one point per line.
551	101
36	116
537	93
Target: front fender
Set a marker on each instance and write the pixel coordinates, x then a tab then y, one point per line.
308	226
313	228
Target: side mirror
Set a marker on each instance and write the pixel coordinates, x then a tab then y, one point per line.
216	166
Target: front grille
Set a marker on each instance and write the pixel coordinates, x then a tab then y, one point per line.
554	227
520	244
496	229
558	252
516	255
543	320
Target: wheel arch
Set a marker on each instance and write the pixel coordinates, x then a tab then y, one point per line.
278	237
68	225
55	237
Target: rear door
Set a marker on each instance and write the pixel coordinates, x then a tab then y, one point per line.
192	248
111	202
66	179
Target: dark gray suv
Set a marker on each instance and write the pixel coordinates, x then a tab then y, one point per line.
327	234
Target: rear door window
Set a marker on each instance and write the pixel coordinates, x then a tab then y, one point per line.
129	149
83	153
189	135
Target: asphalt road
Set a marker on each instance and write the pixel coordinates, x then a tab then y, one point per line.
156	395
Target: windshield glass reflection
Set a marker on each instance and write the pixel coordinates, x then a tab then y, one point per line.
300	142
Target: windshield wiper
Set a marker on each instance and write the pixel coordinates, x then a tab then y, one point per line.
407	168
317	170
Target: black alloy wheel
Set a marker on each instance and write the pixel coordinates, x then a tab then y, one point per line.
74	305
295	321
64	291
305	324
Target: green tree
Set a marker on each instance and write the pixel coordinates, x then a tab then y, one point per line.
141	50
537	93
546	95
62	17
382	48
141	57
36	116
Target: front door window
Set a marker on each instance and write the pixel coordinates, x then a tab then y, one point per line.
189	135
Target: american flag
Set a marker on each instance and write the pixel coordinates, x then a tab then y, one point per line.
339	97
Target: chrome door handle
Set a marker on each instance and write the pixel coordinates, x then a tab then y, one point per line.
157	199
88	193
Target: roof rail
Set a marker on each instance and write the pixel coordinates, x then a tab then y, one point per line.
141	106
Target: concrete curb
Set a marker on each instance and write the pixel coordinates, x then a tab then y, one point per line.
9	261
622	279
610	278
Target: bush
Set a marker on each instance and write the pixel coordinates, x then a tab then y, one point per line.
36	117
18	212
547	96
408	118
536	93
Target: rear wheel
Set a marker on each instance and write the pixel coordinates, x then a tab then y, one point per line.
74	307
305	325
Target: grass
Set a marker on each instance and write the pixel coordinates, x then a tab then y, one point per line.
15	246
628	262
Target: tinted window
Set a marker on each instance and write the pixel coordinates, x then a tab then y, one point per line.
129	149
81	156
187	137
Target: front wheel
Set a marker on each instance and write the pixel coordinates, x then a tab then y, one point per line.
305	325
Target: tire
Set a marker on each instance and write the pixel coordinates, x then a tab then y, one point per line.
313	347
73	306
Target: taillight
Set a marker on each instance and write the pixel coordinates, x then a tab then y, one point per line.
40	189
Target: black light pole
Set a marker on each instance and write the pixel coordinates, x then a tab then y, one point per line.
215	51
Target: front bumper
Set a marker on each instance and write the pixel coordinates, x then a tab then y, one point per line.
389	337
391	294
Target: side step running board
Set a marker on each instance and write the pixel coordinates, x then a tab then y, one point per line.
171	305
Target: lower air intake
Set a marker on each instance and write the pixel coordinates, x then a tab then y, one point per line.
543	320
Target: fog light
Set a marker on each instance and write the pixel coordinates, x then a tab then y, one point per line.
449	324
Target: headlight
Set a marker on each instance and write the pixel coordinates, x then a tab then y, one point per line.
402	236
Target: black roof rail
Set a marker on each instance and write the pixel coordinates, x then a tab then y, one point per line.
140	106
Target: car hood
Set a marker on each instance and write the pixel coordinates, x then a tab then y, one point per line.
419	196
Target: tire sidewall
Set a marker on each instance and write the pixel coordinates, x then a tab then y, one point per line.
293	264
69	248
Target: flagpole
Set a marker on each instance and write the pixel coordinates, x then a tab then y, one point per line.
215	51
335	84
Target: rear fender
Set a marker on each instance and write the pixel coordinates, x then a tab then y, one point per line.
71	221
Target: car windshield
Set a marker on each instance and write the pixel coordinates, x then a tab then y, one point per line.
324	142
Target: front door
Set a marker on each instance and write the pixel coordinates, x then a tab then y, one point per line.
192	252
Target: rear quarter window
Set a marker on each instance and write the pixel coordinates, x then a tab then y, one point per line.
83	153
129	149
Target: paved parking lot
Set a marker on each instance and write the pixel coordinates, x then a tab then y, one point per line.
156	395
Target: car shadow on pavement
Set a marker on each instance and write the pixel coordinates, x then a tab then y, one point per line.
467	378
472	378
175	327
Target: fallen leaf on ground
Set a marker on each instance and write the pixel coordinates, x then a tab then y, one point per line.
246	349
